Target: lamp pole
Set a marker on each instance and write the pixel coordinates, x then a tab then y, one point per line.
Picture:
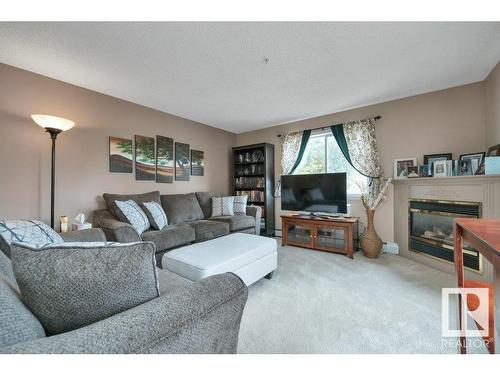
53	135
53	125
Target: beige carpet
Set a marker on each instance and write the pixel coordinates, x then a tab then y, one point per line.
327	303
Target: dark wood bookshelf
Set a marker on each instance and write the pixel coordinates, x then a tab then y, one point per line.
253	170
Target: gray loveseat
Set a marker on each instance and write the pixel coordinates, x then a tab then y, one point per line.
188	218
201	317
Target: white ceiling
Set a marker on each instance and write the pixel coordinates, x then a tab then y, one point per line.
215	73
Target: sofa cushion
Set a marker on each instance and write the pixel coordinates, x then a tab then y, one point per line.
155	214
181	208
32	232
134	214
169	237
17	322
153	196
208	229
205	201
70	287
237	222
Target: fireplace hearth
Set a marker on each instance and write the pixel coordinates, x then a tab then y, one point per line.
430	224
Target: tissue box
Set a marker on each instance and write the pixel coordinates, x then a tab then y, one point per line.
492	165
80	226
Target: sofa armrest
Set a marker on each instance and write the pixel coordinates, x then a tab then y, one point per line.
202	317
256	212
85	235
115	230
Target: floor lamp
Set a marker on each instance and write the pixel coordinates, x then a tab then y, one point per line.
53	125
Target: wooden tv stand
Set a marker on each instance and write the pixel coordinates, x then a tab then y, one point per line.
332	234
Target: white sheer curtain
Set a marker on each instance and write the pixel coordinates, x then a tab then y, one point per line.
290	146
362	145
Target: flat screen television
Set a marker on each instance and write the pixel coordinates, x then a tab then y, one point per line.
324	192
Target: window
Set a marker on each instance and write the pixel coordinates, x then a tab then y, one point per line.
323	155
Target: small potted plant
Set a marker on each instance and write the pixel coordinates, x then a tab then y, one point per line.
371	244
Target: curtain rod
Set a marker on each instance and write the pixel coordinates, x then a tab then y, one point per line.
378	117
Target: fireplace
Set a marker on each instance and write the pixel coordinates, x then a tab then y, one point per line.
430	228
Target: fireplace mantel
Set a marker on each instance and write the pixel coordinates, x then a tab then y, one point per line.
483	189
447	180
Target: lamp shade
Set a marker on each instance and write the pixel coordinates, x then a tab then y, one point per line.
47	121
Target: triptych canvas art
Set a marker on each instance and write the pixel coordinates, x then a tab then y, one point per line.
167	161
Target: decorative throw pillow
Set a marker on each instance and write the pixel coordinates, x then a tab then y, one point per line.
134	214
222	206
71	287
156	215
240	205
31	232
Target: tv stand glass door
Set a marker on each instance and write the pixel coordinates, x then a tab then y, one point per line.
331	238
299	234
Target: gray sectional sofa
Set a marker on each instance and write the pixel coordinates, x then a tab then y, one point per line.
200	317
188	218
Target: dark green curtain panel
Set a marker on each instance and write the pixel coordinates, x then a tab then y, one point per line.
338	133
303	144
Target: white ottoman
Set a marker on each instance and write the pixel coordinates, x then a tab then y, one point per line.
249	256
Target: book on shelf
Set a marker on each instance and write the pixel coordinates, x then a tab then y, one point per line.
253	195
249	182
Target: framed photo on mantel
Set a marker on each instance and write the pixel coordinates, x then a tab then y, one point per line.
401	166
432	158
476	159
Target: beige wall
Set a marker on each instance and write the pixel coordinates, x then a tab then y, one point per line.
451	120
492	100
82	153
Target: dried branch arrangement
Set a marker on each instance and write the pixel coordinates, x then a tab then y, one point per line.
365	196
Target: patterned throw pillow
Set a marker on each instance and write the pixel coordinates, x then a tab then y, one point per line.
240	205
30	232
156	215
222	206
134	214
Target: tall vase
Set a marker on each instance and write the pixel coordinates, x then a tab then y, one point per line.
371	244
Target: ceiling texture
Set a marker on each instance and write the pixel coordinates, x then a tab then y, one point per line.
247	76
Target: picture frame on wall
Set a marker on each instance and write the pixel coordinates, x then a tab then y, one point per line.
431	158
164	159
145	164
476	158
182	162
121	157
401	166
197	163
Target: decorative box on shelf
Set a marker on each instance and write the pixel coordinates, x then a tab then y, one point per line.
81	226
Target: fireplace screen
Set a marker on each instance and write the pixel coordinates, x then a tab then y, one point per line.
431	229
